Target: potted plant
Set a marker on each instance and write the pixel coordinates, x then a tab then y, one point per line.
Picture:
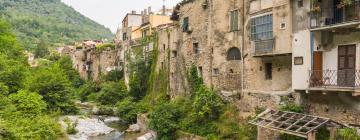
315	6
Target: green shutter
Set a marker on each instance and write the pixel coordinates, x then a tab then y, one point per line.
234	16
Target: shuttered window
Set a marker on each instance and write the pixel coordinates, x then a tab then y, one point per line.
185	25
234	20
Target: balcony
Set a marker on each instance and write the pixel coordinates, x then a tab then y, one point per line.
264	47
336	80
329	16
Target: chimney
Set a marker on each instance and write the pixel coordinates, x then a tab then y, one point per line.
164	10
149	10
133	12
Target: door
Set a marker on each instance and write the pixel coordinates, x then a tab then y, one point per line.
346	66
317	73
338	12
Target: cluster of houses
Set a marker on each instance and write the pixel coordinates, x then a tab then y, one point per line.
259	52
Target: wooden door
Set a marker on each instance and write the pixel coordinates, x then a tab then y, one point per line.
317	73
346	66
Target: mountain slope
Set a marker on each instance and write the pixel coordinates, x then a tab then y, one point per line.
52	21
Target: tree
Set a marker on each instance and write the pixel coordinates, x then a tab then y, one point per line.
112	92
164	120
41	49
55	88
28	104
127	110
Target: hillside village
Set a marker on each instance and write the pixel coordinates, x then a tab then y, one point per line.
256	54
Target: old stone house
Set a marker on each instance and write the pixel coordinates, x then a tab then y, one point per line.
92	62
209	37
326	57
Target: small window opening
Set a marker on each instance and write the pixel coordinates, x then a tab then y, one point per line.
268	71
216	71
300	3
174	53
196	48
200	71
164	47
283	25
231	71
162	65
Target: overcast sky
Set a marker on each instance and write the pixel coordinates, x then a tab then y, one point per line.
111	12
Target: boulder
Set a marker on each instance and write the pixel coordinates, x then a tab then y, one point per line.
148	136
134	128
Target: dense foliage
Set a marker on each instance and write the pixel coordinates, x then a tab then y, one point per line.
38	22
28	95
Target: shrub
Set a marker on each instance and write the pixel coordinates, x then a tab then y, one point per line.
71	126
112	92
164	120
85	90
41	127
55	88
348	134
105	110
207	104
114	75
194	79
27	103
127	110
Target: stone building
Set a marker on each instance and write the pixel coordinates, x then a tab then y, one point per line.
92	62
209	37
326	58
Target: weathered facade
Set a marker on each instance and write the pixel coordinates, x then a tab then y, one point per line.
91	62
326	41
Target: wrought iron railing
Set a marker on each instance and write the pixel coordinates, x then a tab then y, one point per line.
349	78
335	14
264	46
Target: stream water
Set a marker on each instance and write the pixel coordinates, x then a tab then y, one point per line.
119	128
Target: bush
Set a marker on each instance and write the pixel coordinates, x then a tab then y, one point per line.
114	75
207	104
348	134
85	90
112	92
105	110
41	127
127	110
164	120
28	104
55	88
71	126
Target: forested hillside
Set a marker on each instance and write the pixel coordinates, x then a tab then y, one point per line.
49	21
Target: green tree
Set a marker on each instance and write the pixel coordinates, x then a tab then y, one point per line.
126	109
207	104
41	49
164	120
56	89
28	104
112	92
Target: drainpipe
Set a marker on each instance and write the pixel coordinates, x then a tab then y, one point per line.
242	48
209	42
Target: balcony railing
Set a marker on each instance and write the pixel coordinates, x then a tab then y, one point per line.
322	16
264	46
335	78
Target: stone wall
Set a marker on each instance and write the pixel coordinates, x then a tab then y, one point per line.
92	64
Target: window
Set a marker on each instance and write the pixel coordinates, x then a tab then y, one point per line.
196	48
185	25
124	36
262	27
234	16
200	71
233	54
216	71
282	25
268	71
164	47
300	3
174	53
